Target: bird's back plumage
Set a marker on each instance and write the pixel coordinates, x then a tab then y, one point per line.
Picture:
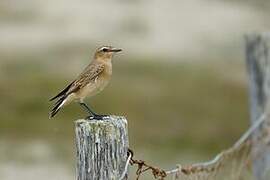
90	73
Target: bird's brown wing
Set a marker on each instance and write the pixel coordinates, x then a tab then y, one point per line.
90	73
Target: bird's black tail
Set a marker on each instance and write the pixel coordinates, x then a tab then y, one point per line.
60	102
57	106
62	93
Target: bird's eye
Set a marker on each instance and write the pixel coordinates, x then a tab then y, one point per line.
105	49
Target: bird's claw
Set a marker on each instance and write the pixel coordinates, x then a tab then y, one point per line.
97	117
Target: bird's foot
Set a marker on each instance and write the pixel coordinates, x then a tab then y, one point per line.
97	117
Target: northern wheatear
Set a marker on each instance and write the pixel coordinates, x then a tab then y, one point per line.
91	81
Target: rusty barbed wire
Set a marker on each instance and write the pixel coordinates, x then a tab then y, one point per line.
142	167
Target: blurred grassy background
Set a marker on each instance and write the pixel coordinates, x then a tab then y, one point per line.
181	83
177	112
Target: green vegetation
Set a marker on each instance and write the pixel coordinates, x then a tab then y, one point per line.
170	107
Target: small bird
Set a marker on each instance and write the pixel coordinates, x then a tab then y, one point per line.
91	81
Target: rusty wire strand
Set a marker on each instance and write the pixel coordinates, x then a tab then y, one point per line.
142	167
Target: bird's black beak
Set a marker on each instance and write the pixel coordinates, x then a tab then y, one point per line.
115	50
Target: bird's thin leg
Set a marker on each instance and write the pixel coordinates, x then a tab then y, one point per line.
87	109
91	112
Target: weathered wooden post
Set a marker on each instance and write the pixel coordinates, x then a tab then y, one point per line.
101	148
258	63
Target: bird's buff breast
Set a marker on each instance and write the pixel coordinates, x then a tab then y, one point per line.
89	90
94	87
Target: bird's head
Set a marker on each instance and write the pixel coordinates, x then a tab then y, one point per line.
106	52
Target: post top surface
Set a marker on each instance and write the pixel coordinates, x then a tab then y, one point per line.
109	119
